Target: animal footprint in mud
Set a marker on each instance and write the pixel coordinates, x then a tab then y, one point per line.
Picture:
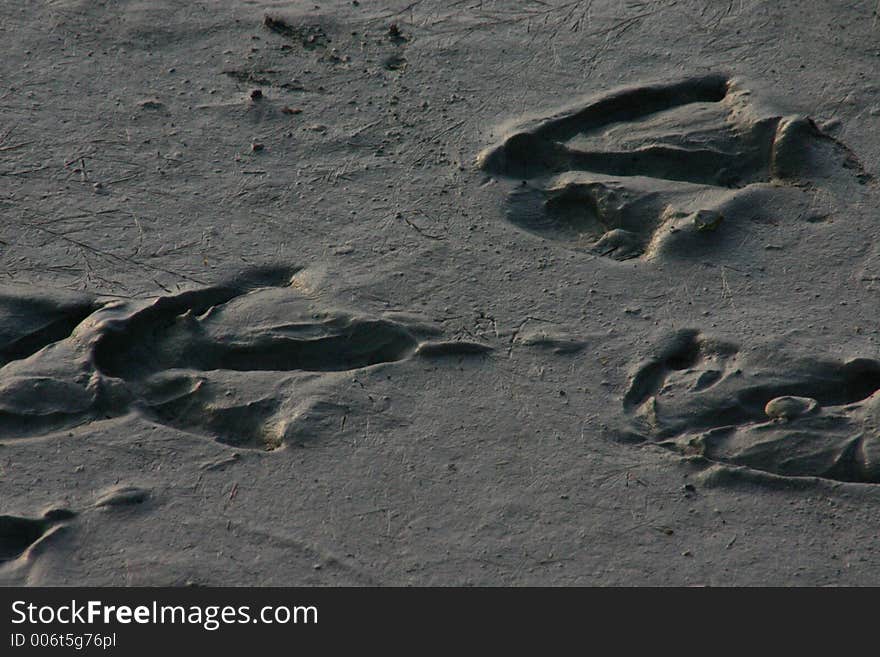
762	410
242	362
650	170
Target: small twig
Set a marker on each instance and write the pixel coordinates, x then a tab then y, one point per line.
14	146
22	172
420	231
362	128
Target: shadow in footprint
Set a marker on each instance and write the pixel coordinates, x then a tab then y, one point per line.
17	534
30	323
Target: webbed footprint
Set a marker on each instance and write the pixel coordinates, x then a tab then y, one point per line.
786	416
243	362
615	174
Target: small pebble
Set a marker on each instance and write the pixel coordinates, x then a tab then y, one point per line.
788	408
707	220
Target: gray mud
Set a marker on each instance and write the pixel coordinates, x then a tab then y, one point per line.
499	293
